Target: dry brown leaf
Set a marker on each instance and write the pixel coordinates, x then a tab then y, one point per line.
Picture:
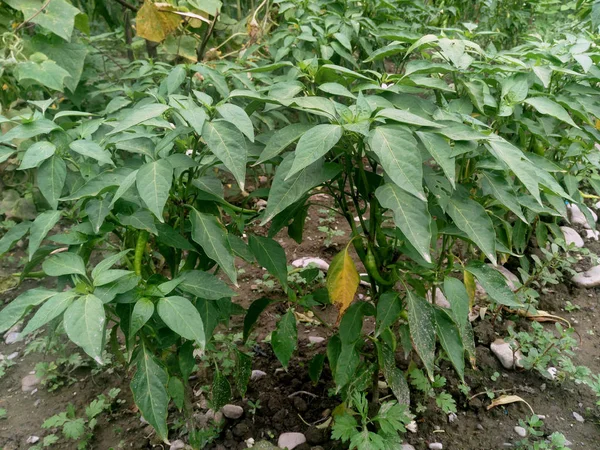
153	24
506	400
342	281
542	316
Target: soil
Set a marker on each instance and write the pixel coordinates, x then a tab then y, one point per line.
289	401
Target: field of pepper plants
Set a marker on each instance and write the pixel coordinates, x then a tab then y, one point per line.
300	224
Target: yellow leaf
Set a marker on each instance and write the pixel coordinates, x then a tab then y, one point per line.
153	24
470	285
507	399
342	281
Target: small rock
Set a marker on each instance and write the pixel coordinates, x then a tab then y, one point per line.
291	440
249	442
240	429
480	427
577	216
505	354
588	279
177	445
412	426
326	413
436	446
406	447
232	411
32	439
12	356
316	436
307	260
29	382
521	431
14	329
578	417
592	234
13	337
440	298
315	339
257	375
452	417
382	385
572	237
300	405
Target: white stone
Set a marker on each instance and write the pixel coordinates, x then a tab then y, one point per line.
572	237
14	329
592	234
257	375
412	426
32	439
13	356
452	417
578	417
249	442
577	217
315	339
305	261
29	382
521	431
13	337
553	371
177	445
505	354
436	446
511	279
440	298
232	411
291	440
588	279
407	447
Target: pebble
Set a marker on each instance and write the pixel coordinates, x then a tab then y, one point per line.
29	382
452	417
578	417
14	329
406	447
12	356
12	337
592	234
412	426
521	431
257	375
480	427
588	279
577	216
177	445
440	298
291	440
436	446
572	237
505	354
232	411
32	439
307	260
315	339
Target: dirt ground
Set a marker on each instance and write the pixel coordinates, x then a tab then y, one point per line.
290	402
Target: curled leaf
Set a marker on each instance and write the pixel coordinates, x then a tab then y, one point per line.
506	400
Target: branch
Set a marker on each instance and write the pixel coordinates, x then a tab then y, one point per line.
44	6
200	52
127	5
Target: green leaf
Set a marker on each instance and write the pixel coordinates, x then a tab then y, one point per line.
457	295
28	130
140	220
51	309
410	215
494	284
38	152
47	73
336	89
92	150
220	392
546	106
393	375
451	341
352	322
314	144
108	276
497	186
284	192
13	235
108	262
229	145
237	117
183	318
84	323
150	393
243	371
403	116
124	186
271	256
346	365
422	329
177	392
471	218
5	153
40	228
284	339
175	79
441	151
65	263
399	155
316	367
389	308
153	183
51	176
211	235
254	312
204	285
58	16
97	210
138	115
15	310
